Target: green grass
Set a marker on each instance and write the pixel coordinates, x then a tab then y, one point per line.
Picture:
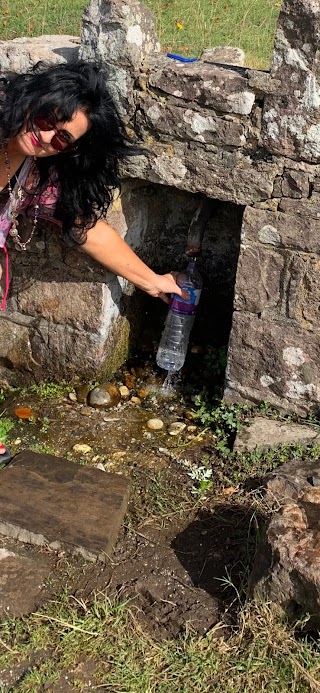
185	27
6	425
262	654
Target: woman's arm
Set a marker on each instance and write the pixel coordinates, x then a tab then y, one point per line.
106	246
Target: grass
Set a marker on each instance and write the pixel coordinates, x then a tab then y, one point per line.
263	653
184	27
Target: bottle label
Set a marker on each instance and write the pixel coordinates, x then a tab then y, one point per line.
185	306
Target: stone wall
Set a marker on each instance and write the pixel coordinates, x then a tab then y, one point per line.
239	136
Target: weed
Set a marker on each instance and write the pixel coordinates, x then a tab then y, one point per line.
47	390
45	425
6	425
224	419
43	448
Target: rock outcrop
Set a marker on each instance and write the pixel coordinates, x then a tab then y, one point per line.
287	565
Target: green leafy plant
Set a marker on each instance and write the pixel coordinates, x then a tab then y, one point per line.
47	390
6	425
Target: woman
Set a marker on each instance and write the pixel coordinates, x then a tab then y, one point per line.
61	140
60	125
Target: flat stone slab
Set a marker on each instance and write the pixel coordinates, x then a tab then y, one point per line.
264	433
22	581
49	501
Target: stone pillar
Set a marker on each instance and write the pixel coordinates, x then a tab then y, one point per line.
291	117
275	339
120	34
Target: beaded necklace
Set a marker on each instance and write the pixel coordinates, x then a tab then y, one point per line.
16	197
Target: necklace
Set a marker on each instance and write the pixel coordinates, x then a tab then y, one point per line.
16	197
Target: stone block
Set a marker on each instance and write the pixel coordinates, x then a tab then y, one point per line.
227	55
281	229
15	347
259	279
291	117
21	54
273	361
49	501
61	351
191	123
304	208
222	175
211	86
278	285
120	34
21	582
79	304
295	184
262	433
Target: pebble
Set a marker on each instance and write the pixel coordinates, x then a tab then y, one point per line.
176	428
104	396
119	454
124	391
100	466
82	448
86	411
130	380
72	396
191	429
155	424
135	400
143	393
189	415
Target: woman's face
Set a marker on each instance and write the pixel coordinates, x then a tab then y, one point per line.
37	142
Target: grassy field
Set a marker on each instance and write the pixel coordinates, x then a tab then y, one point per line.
183	27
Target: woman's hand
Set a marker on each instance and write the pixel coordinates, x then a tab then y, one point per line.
165	285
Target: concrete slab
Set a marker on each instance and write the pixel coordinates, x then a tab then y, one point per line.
49	501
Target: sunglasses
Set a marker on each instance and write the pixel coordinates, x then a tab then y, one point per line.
61	140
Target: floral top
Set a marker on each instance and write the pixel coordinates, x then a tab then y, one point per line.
26	195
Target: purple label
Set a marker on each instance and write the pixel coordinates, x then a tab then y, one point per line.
186	306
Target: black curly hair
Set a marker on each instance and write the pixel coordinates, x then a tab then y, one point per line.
87	176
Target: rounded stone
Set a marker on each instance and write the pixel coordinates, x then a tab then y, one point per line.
86	411
82	448
124	391
104	396
176	428
155	424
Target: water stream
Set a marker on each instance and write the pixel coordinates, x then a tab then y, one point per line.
169	385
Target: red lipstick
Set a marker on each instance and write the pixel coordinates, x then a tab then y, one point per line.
35	141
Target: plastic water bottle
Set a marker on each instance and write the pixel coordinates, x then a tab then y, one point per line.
175	337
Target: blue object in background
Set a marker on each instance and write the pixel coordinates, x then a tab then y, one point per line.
181	58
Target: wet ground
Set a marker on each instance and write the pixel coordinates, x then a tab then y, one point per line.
183	550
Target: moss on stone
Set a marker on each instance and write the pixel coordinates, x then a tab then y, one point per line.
117	348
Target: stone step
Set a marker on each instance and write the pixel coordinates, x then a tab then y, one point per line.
50	501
